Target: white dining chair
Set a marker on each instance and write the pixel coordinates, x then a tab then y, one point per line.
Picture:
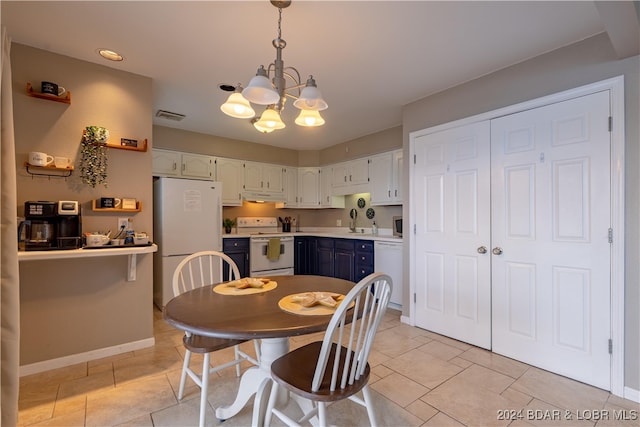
335	368
197	270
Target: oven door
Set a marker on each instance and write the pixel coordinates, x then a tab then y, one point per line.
258	255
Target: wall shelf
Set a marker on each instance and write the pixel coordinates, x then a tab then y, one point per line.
142	145
50	171
95	208
65	99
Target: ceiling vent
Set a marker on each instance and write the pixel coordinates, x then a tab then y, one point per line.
169	115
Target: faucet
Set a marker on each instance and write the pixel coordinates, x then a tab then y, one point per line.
352	224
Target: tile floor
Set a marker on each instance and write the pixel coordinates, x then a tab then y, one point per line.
419	379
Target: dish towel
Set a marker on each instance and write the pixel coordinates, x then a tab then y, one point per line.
273	249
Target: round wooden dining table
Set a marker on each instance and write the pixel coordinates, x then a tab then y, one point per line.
252	316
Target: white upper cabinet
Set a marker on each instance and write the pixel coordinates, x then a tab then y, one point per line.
327	199
263	177
174	163
198	166
231	173
165	162
290	187
385	174
350	177
309	187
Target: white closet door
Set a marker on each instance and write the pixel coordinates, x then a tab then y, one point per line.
550	221
452	205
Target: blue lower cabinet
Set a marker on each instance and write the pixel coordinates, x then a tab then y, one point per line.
304	260
348	259
344	259
325	255
238	250
363	259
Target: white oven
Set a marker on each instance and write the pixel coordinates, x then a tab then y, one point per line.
261	265
263	231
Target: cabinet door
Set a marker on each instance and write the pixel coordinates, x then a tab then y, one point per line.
165	163
273	177
324	258
197	166
327	199
291	186
339	174
344	259
238	251
308	186
231	173
359	171
381	174
253	179
397	176
305	254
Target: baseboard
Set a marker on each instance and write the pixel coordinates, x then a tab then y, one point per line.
73	359
632	394
406	320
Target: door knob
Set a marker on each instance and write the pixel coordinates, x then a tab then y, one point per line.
482	249
497	250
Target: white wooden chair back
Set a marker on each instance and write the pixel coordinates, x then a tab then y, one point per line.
202	269
370	298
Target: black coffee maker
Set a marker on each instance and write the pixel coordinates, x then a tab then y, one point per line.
51	225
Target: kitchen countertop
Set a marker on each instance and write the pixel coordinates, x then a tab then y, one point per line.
339	234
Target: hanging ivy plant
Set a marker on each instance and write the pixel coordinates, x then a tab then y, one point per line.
93	161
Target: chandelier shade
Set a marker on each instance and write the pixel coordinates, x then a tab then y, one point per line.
268	87
310	98
260	91
270	119
237	106
309	118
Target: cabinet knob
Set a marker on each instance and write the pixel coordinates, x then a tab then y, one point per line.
482	250
497	250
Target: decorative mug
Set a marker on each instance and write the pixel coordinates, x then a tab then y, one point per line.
97	240
52	88
62	162
110	202
38	158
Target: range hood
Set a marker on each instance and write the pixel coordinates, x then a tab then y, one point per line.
256	196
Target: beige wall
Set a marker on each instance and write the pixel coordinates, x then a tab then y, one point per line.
79	305
200	143
379	142
582	63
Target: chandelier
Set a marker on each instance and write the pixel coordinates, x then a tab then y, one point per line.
268	87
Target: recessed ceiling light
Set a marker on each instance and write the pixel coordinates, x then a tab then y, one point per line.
227	87
110	55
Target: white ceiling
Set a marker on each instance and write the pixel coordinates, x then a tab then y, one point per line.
369	58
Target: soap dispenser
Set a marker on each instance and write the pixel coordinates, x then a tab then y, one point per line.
374	229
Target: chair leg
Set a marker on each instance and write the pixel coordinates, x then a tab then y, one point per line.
369	405
322	414
205	388
236	354
260	403
183	376
273	397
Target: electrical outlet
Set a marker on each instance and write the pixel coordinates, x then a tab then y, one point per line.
123	223
338	223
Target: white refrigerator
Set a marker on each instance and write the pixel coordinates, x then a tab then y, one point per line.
187	218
